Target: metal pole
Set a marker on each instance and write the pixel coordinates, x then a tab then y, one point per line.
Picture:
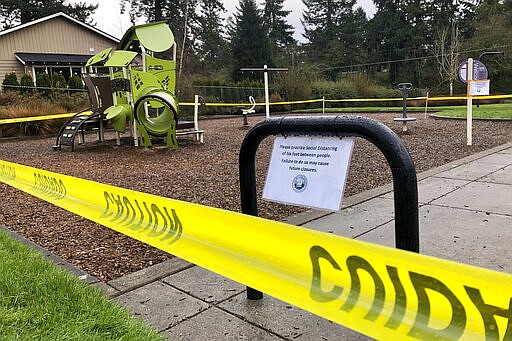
401	164
480	59
404	102
265	70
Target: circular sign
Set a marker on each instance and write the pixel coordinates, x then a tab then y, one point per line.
479	71
299	183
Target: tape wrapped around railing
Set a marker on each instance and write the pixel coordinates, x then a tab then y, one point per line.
379	291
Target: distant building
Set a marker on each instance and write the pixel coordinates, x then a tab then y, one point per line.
56	43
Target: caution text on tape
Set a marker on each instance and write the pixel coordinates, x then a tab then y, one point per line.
382	292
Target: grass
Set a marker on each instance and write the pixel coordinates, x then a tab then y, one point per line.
39	301
484	111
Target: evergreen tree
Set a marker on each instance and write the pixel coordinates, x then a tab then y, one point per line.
279	31
43	81
491	30
58	81
250	45
335	34
182	19
398	35
10	82
15	12
75	83
211	47
27	83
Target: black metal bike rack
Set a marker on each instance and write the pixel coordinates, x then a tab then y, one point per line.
402	167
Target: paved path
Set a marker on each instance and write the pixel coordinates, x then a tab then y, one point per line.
465	216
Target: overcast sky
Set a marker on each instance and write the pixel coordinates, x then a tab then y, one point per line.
109	20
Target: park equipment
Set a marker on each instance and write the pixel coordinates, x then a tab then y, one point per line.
265	71
404	119
405	185
133	88
246	112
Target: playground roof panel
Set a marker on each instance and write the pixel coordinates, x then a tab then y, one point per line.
121	58
156	37
51	58
99	57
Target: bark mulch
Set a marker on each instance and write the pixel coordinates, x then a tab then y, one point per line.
206	174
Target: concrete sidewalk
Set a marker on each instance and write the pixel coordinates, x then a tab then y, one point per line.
465	216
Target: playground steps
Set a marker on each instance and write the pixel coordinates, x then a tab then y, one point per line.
190	128
75	125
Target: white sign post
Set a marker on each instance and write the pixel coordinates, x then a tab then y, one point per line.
469	118
309	171
474	73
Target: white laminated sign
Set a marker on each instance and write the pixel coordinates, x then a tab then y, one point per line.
309	171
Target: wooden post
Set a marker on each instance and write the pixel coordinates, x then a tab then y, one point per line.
267	97
469	118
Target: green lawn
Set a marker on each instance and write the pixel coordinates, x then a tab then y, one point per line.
39	301
484	111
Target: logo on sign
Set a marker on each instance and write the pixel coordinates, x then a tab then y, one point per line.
299	183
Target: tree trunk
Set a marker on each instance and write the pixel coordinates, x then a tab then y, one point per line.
158	10
185	29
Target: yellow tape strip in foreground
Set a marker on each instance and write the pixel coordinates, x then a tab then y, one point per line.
382	292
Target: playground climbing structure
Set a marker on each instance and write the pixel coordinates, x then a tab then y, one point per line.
132	88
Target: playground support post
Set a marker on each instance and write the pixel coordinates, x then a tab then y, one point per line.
196	110
426	103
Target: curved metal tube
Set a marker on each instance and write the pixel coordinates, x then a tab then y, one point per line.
395	152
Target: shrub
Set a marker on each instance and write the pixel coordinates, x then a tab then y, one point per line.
10	80
295	84
28	106
70	101
27	83
9	98
334	90
58	81
75	83
43	81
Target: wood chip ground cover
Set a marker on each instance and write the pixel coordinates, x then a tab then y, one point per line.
206	174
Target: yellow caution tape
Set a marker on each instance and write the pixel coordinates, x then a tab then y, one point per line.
379	291
250	104
36	118
445	98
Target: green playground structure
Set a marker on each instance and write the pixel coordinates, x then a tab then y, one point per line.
132	88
